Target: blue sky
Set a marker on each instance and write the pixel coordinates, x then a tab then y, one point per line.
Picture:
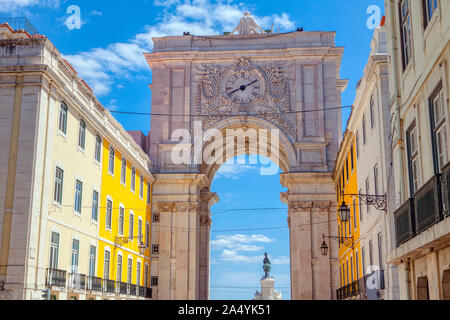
107	52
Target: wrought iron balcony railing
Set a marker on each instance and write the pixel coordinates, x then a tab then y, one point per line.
348	291
94	284
123	287
133	289
141	291
108	286
429	206
405	222
56	278
77	281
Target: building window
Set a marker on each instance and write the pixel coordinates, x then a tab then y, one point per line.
121	220
363	260
75	256
154	282
82	135
111	161
346	272
108	214
368	192
380	251
354	214
106	264
429	7
351	269
133	179
372	112
130	270
63	111
147	235
346	168
437	112
131	226
119	268
138	273
375	178
357	145
95	205
148	193
78	195
92	259
140	230
155	249
59	179
155	217
54	250
371	253
405	30
413	159
352	158
123	172
364	130
360	208
357	264
146	276
98	148
141	187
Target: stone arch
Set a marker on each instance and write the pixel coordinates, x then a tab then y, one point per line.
285	159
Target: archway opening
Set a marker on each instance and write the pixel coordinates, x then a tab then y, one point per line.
248	221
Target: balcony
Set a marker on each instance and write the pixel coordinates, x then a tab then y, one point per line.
348	291
141	292
122	288
366	288
77	281
56	278
446	189
108	286
424	210
133	289
404	222
94	284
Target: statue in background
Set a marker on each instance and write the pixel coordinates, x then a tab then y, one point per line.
248	25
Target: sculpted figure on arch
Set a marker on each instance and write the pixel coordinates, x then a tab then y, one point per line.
247	25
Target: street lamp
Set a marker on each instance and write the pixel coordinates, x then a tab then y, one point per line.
120	241
346	241
344	212
324	248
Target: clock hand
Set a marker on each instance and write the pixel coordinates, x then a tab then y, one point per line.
242	88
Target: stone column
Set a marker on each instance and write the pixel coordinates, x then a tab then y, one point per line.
207	200
404	280
311	208
177	198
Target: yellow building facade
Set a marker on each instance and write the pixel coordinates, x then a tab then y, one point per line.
345	177
124	224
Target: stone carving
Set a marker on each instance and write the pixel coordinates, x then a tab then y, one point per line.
219	96
205	220
247	25
165	206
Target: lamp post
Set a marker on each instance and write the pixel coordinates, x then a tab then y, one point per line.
346	241
378	201
344	212
120	241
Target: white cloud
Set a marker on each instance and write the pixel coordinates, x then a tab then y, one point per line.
232	256
123	59
13	6
233	244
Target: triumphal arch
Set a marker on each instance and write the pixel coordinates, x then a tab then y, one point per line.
278	95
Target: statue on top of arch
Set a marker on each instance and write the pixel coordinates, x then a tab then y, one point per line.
248	25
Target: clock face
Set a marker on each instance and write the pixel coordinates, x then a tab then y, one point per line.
243	88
